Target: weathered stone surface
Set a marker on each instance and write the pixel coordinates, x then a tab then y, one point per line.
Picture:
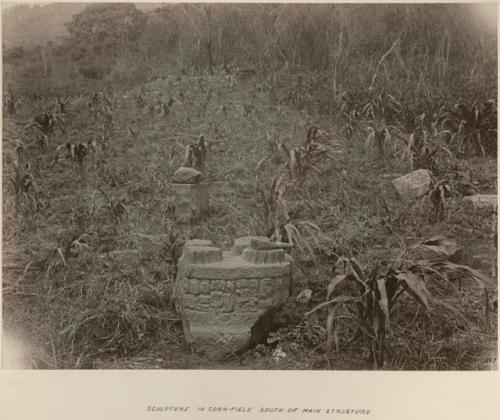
482	255
267	244
391	176
482	201
201	254
185	175
271	256
413	185
240	244
236	267
198	242
191	201
220	301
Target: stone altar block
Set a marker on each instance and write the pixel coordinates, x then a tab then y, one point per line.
220	295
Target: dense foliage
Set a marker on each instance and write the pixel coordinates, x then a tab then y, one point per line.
115	43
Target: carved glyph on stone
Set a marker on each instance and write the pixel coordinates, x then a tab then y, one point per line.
221	295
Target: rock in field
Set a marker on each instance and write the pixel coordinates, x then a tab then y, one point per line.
413	185
187	176
441	247
482	201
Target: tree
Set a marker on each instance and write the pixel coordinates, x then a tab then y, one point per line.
106	29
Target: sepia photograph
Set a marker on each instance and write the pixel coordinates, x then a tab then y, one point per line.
249	186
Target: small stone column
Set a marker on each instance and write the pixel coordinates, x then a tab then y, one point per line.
221	295
191	196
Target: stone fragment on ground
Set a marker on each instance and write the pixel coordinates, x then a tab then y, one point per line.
185	175
391	176
482	201
482	256
413	185
220	296
240	244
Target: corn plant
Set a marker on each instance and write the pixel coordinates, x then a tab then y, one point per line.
423	148
116	208
378	135
139	101
307	240
196	154
94	99
248	110
462	181
42	126
172	250
474	127
106	114
305	236
356	104
439	196
165	107
381	107
348	131
302	162
10	104
350	124
273	204
22	181
360	302
419	151
299	164
315	135
76	153
272	144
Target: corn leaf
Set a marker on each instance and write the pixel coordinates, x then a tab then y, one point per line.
451	268
384	302
330	334
440	245
334	301
357	270
335	282
416	285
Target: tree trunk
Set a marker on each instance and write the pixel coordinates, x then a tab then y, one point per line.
208	43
